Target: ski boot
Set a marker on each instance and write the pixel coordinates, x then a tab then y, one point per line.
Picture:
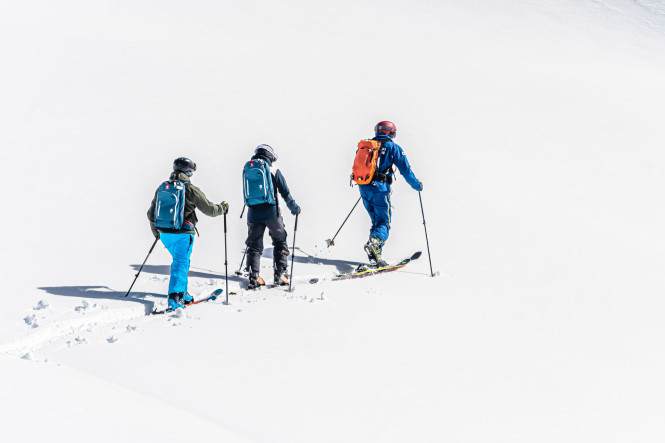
176	300
281	278
187	298
373	249
255	281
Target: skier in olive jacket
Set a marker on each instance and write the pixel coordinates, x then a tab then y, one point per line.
179	242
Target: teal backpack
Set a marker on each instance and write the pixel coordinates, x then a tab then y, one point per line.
257	183
170	205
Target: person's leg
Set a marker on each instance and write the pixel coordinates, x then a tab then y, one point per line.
369	207
379	204
254	245
180	247
382	216
280	248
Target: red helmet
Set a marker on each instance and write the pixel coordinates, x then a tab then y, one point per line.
386	127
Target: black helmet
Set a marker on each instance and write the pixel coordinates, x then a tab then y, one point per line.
266	151
183	164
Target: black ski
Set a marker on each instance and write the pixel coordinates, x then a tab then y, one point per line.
211	297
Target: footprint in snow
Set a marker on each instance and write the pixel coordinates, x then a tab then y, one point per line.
42	304
77	341
31	320
180	313
84	305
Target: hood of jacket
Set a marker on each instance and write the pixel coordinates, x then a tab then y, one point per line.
382	137
180	176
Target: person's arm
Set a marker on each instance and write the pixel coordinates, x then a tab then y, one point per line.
283	189
402	163
151	216
204	205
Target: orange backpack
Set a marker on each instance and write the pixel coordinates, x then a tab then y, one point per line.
364	165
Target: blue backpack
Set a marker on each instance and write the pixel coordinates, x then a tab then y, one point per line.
257	183
170	205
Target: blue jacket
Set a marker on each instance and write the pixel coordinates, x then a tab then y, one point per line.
391	154
265	212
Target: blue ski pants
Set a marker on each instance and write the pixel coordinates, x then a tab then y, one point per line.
378	207
180	248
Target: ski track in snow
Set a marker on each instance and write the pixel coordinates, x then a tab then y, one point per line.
47	327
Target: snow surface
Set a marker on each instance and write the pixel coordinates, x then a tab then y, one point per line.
535	126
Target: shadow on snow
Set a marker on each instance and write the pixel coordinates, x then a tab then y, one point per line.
105	293
101	293
166	270
341	266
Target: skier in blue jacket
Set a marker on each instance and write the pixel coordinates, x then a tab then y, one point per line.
376	195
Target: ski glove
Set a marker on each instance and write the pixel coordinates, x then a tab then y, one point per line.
296	210
225	207
421	186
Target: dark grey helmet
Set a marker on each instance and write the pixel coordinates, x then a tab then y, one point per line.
183	164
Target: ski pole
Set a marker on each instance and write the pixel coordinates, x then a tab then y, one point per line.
426	239
293	252
332	242
239	272
226	264
146	259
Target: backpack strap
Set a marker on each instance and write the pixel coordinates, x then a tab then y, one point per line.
273	177
186	185
382	176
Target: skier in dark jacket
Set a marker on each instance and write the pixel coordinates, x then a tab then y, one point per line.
266	215
179	242
376	195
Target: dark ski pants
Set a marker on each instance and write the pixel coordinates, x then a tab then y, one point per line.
254	245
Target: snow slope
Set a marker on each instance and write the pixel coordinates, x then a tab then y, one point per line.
535	127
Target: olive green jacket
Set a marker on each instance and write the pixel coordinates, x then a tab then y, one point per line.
194	199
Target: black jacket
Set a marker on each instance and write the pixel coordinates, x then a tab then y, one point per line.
266	211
